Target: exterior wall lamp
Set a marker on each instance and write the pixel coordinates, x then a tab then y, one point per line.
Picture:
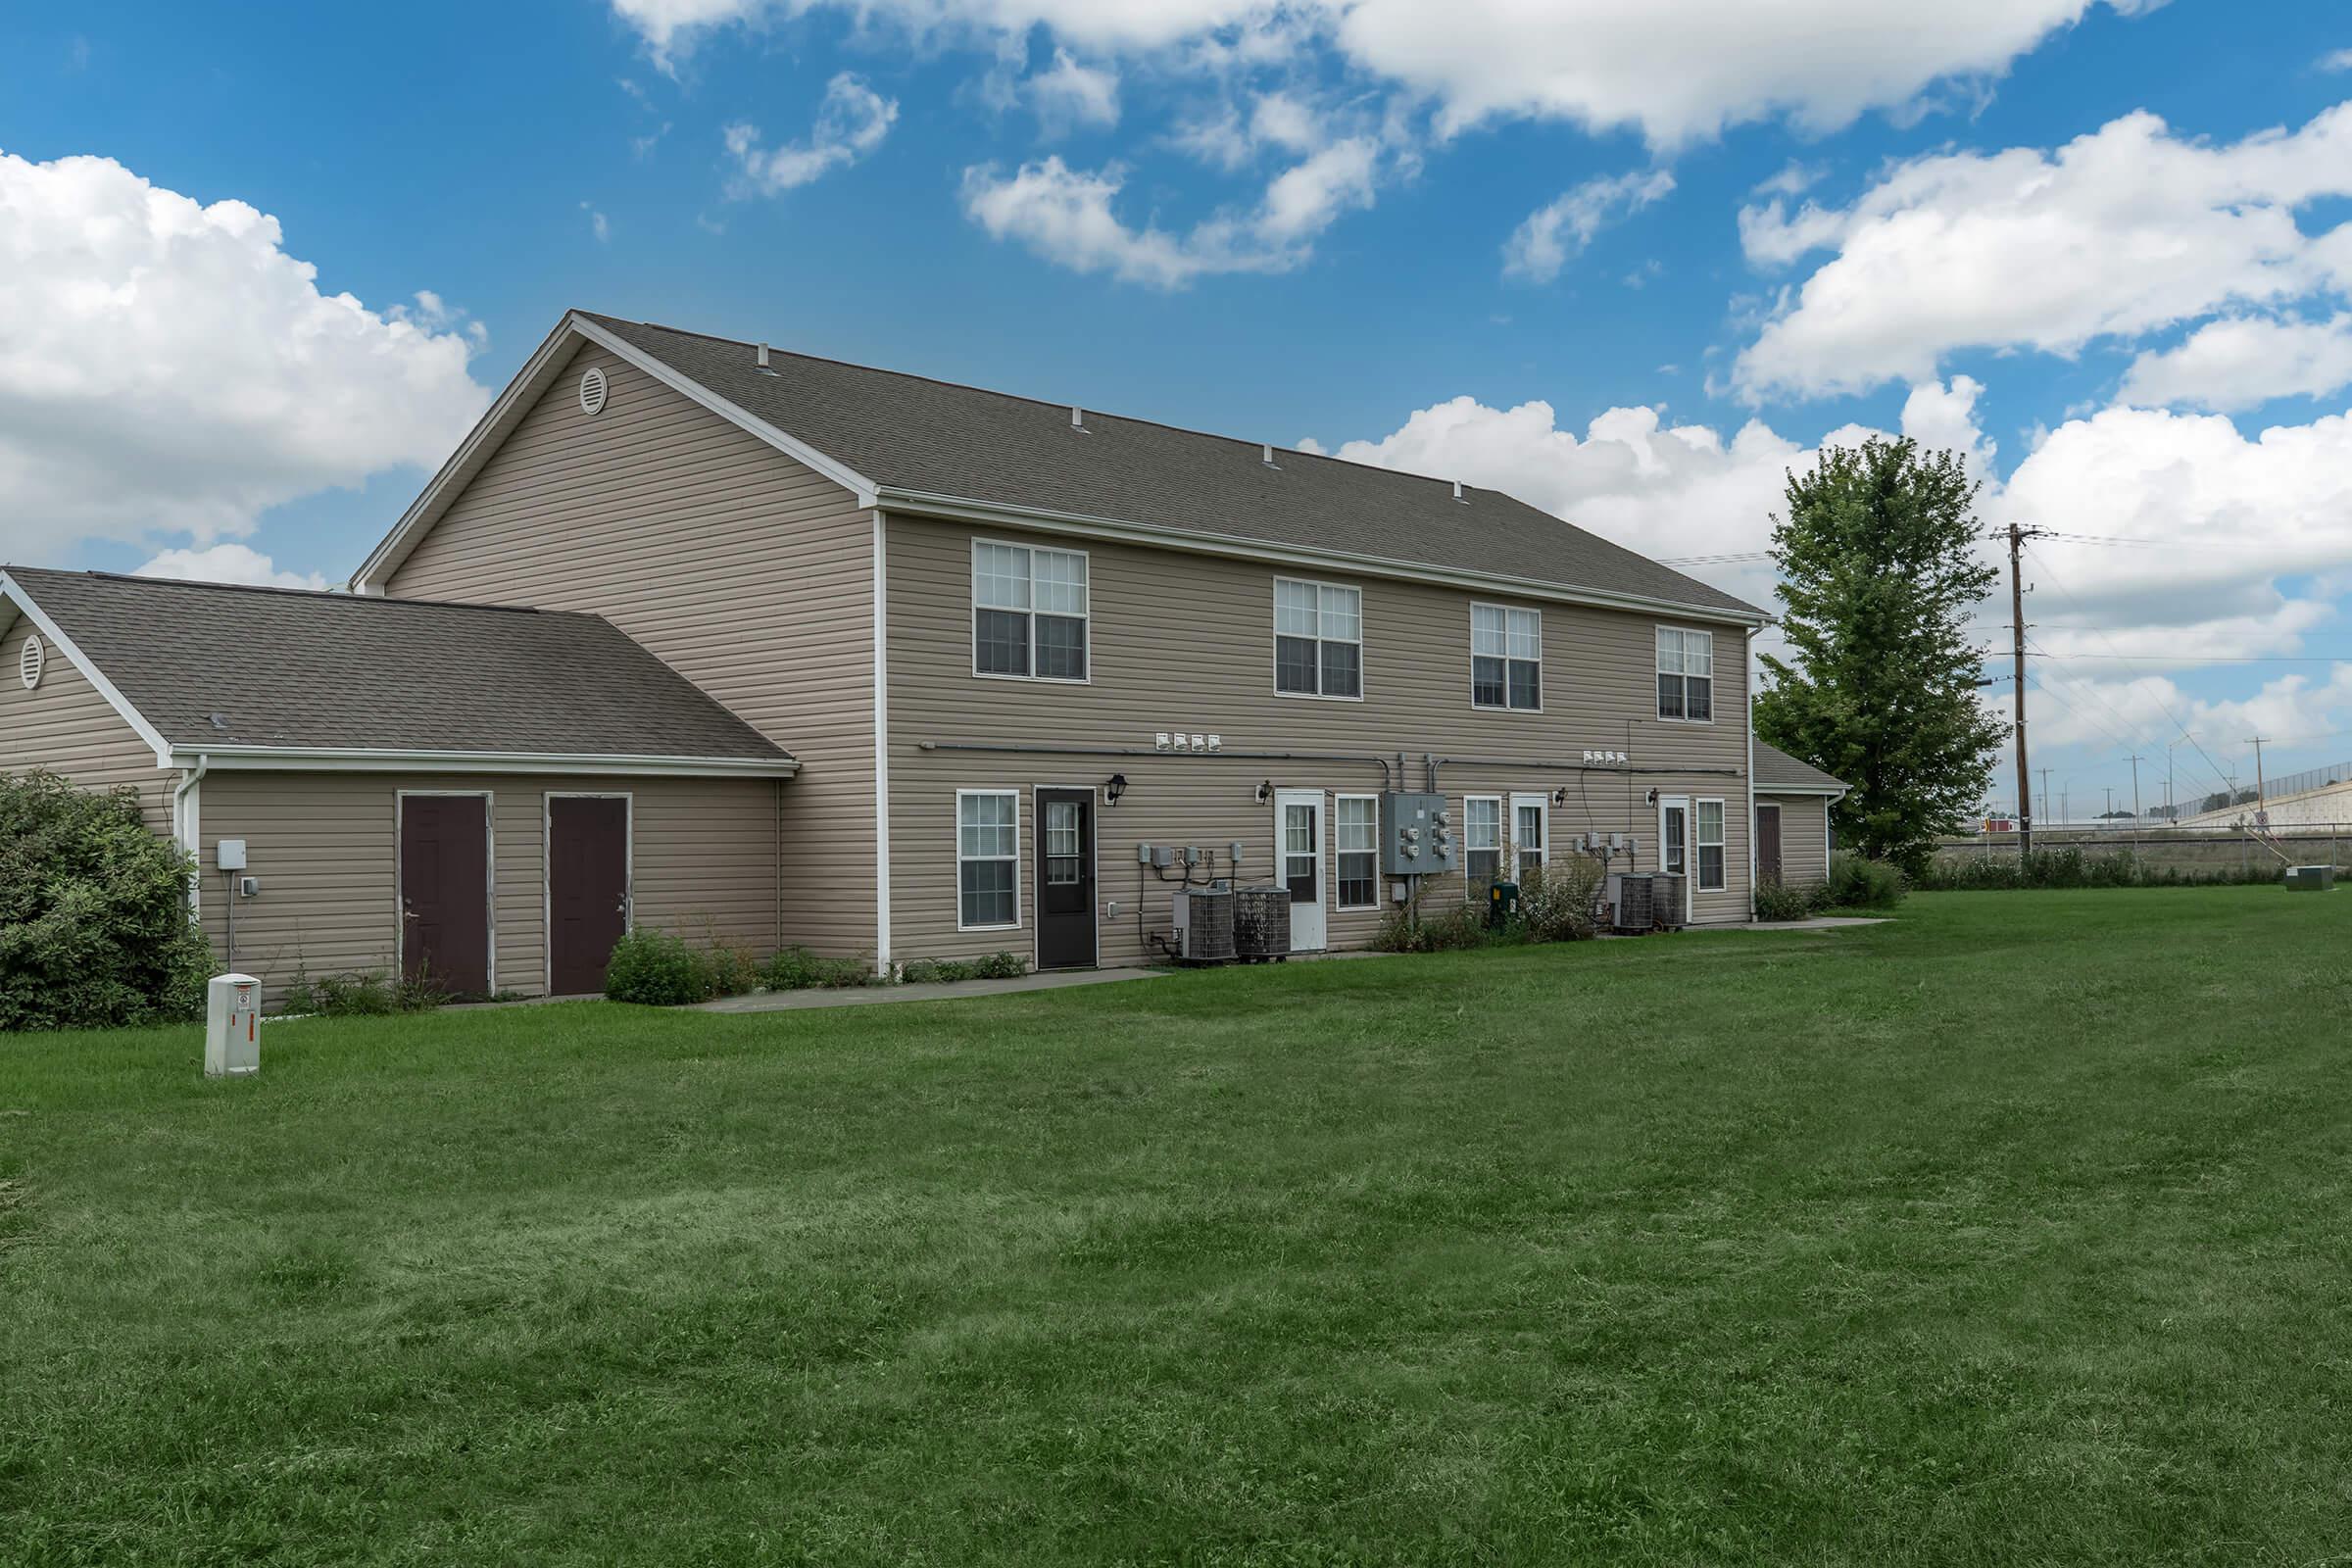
1117	787
1265	792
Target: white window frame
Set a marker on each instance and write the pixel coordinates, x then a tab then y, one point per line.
1338	875
1276	634
957	826
1543	807
1087	620
1508	659
1700	844
1502	822
1659	668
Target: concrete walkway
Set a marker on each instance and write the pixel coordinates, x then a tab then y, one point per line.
1819	922
926	991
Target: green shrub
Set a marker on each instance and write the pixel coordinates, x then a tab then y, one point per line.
729	970
95	924
2069	865
1779	900
1556	898
798	969
1857	882
1000	966
1448	927
657	970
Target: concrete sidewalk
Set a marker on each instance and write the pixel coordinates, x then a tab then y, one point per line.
927	991
1819	922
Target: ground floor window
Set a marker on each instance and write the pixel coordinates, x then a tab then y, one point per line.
987	859
1356	827
1710	846
1482	841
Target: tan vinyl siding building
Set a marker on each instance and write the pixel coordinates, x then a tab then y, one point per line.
703	859
745	570
1804	836
1186	641
64	725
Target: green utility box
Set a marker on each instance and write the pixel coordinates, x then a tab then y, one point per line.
2311	879
1503	900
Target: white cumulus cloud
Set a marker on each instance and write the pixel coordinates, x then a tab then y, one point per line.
166	365
1560	230
1070	93
2240	362
228	562
852	120
2124	231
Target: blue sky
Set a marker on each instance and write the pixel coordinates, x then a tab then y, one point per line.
1630	264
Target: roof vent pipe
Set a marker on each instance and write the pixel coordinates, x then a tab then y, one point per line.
1266	453
1077	418
764	356
1457	489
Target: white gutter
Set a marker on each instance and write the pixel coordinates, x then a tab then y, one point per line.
356	760
1748	649
186	825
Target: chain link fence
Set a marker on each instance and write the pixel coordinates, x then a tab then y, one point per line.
2187	849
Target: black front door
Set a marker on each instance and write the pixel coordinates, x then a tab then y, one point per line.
587	888
1065	878
445	891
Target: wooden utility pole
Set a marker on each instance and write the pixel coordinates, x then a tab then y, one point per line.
2135	805
2017	644
2261	804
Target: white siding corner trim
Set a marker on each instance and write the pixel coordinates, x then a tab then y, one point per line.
882	958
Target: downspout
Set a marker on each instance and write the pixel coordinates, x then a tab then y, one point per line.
1748	675
184	826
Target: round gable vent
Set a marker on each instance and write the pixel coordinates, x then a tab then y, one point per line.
592	392
30	660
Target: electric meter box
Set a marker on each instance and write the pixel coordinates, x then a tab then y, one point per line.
1416	834
232	1026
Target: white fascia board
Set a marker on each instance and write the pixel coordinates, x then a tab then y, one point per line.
1763	788
686	386
356	760
922	504
13	592
453	476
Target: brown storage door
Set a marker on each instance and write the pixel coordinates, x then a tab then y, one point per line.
444	890
587	888
1768	843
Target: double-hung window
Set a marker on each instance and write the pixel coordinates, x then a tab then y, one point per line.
1029	611
1686	674
987	859
1355	825
1482	841
1506	656
1318	639
1710	846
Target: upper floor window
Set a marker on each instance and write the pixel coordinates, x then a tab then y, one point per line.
1029	611
1686	674
1506	656
1318	639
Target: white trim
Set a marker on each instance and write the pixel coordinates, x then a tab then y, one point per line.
1339	903
1199	542
1723	826
1030	549
546	869
1689	872
1708	632
1542	805
1093	896
358	760
1748	685
1502	824
1323	889
66	645
1506	610
188	829
1803	789
882	955
957	826
1275	635
400	913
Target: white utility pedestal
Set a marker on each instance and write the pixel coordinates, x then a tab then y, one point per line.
232	1026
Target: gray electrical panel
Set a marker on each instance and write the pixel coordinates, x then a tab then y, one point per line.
1416	834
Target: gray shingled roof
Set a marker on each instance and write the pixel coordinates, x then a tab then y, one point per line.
1777	769
907	432
211	665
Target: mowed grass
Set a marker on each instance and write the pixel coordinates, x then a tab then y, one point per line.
2018	1231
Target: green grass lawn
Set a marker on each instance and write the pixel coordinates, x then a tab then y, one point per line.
2019	1231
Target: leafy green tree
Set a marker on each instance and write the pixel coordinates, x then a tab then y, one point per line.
1878	579
95	924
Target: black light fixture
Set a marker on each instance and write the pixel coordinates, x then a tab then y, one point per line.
1115	788
1559	797
1653	797
1265	792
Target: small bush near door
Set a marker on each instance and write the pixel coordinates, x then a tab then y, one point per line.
798	969
94	924
941	971
1778	900
657	970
